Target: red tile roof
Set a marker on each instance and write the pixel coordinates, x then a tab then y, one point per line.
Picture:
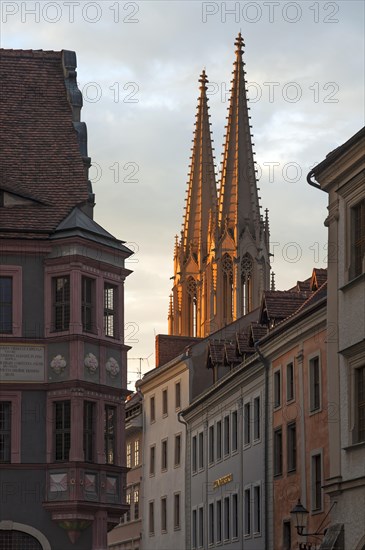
279	304
40	154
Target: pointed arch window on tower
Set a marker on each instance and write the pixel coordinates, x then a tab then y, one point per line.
192	306
246	279
227	268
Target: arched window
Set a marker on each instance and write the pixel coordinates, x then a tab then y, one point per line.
246	280
227	268
192	306
14	540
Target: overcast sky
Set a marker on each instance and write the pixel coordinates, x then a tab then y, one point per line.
138	68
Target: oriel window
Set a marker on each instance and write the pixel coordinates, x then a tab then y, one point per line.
109	433
61	301
6	305
62	416
110	310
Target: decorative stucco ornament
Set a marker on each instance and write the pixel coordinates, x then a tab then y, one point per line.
58	364
112	367
91	363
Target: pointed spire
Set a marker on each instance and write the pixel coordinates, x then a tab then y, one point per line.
238	198
170	317
202	191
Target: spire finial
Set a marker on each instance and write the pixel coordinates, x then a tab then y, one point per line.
239	43
203	79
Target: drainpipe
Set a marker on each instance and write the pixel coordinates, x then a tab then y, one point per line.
266	364
187	471
313	183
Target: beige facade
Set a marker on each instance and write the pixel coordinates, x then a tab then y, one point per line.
341	175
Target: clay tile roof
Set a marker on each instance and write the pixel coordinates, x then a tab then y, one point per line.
319	277
40	155
279	304
320	293
243	343
216	352
257	332
231	353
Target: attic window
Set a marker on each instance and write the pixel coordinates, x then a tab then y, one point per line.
11	199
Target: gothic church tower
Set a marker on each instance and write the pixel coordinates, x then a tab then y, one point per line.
221	263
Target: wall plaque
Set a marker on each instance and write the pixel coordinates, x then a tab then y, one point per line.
21	363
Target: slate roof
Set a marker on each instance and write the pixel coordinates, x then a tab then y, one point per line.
40	154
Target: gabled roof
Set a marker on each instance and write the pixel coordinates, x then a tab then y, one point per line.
43	144
216	352
279	304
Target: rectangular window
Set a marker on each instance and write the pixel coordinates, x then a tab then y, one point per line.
151	518
136	503
6	305
110	310
201	450
164	514
87	304
136	452
152	409
290	381
194	529
291	446
234	431
177	520
177	460
315	388
219	440
62	416
211	523
235	516
360	403
194	454
226	435
211	444
316	483
5	431
61	302
256	418
129	455
110	418
358	238
129	500
152	460
227	519
201	528
277	388
178	395
219	520
278	452
257	509
287	535
247	526
164	454
247	423
164	403
89	416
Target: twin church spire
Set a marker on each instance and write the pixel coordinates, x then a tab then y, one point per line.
221	261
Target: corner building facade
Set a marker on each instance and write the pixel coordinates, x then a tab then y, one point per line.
63	359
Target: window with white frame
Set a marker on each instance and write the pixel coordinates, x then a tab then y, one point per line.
164	514
290	381
227	435
152	460
234	431
164	455
314	384
201	450
256	418
219	520
226	518
211	443
277	388
151	517
219	440
110	310
316	481
257	509
177	451
177	511
129	455
247	511
136	452
247	423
